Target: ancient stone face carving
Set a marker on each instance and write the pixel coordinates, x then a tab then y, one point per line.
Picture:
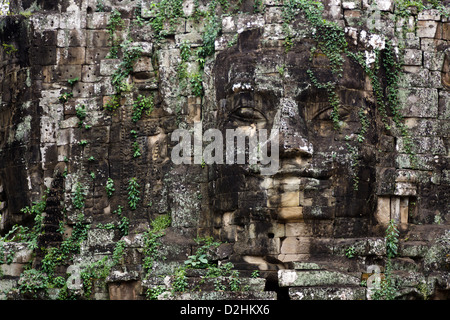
284	215
93	96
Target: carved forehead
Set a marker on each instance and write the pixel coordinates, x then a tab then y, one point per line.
271	69
245	62
256	63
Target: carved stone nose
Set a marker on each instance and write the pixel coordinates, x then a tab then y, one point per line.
292	127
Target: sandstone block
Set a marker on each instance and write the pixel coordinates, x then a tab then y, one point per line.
195	39
71	38
273	15
408	23
12	270
286	199
6	285
385	5
279	230
405	189
413	57
90	73
419	102
64	136
45	21
143	64
291	278
298	293
435	45
53	110
43	56
274	32
97	38
423	162
290	213
318	212
444	105
424	145
433	60
251	199
305	266
145	47
411	41
72	20
383	212
109	66
351	4
271	2
188	7
71	56
334	10
426	29
194	113
65	72
71	122
83	90
45	38
352	17
124	290
244	22
295	229
193	26
375	246
416	76
178	26
295	245
95	55
99	238
97	20
429	14
223	42
446	31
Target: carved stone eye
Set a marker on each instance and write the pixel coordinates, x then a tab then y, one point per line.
327	113
246	114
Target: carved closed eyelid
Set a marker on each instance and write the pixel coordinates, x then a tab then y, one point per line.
247	114
325	114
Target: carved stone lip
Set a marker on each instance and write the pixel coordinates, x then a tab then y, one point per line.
307	172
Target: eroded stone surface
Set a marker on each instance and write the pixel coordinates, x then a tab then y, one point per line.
65	123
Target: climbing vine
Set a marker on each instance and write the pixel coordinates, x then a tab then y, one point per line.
130	56
19	233
330	40
115	24
151	241
165	11
386	99
388	289
133	193
140	105
402	7
386	70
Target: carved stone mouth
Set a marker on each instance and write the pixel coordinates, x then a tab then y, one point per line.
307	172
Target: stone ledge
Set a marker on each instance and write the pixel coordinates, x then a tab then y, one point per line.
220	295
291	278
327	293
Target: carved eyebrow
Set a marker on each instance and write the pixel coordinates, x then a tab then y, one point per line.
242	86
328	107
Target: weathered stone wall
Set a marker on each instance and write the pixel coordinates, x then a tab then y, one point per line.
92	91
